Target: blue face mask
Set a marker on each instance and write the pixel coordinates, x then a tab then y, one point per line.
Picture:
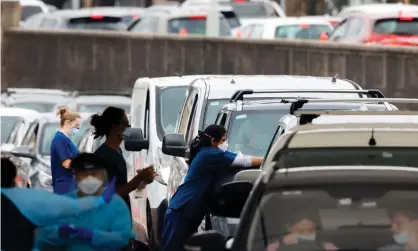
401	238
306	237
74	131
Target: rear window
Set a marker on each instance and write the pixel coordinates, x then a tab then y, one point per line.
301	31
196	25
250	10
27	11
98	23
232	19
396	26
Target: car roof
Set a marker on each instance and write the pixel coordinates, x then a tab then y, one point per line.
379	9
291	21
11	111
32	3
225	86
171	81
39	98
101	99
369	119
107	11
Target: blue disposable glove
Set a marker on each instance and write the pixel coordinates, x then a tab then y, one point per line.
109	192
82	233
65	231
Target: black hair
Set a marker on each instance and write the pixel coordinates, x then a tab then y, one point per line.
103	123
87	161
8	173
204	138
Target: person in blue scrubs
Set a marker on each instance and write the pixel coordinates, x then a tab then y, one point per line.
63	151
23	210
106	228
208	162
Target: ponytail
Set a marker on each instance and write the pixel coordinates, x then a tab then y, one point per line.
204	139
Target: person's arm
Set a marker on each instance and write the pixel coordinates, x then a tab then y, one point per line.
242	161
145	175
64	153
120	231
44	208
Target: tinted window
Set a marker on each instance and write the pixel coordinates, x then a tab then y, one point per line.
301	31
232	19
39	107
27	11
95	108
48	133
169	103
196	25
212	110
8	123
341	217
97	23
396	26
250	9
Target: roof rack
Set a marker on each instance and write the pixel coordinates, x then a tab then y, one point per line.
301	102
306	117
239	95
102	93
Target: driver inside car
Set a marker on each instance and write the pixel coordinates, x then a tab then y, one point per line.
255	138
403	223
303	231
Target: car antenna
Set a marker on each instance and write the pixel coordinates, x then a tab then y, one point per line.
372	141
177	74
334	79
232	81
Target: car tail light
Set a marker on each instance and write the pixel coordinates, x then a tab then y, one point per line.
134	16
197	17
406	18
333	22
97	17
304	26
240	1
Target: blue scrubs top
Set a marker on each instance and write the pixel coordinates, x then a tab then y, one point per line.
208	165
62	148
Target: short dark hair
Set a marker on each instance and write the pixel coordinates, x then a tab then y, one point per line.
8	173
87	161
103	123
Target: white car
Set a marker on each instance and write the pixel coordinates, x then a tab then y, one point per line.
377	8
32	7
286	28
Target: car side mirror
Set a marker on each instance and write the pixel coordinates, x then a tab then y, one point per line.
206	241
134	140
231	200
174	144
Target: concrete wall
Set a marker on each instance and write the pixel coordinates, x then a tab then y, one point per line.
106	60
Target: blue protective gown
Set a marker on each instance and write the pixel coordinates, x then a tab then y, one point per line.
190	203
23	210
111	226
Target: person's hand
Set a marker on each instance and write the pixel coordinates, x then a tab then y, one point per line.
273	246
109	191
328	246
82	233
290	239
65	232
147	174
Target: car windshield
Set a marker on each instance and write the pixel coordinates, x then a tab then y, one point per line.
48	133
95	108
29	10
169	103
249	9
335	218
396	26
196	25
212	109
37	106
8	124
301	31
98	22
343	156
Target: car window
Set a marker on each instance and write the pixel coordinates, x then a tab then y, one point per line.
396	26
39	107
232	19
29	10
212	108
48	133
250	9
8	123
33	21
168	106
196	25
340	31
48	22
337	217
250	137
256	31
301	31
95	108
97	23
146	25
356	27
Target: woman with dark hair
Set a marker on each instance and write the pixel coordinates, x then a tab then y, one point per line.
208	162
112	124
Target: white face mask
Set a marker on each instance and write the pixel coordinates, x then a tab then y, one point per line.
90	185
223	146
74	131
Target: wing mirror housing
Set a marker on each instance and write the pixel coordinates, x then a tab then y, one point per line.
174	144
134	140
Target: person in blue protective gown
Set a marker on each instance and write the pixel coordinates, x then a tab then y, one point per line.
207	163
63	151
24	210
107	228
